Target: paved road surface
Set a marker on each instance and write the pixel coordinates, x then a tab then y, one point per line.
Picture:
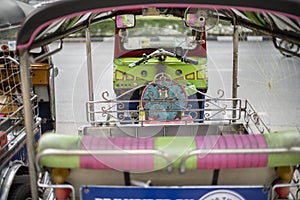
270	81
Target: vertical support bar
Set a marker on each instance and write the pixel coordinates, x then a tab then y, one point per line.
235	69
90	73
30	141
53	74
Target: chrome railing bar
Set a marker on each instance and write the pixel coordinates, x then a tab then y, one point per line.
64	152
295	150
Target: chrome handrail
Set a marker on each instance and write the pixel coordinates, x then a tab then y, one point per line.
64	152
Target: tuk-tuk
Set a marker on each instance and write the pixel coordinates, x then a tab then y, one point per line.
14	172
157	131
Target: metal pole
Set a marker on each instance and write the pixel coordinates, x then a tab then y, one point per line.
235	69
90	73
53	74
30	141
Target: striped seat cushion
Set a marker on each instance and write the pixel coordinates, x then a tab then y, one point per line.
118	153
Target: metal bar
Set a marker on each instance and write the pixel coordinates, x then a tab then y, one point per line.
277	33
295	53
282	185
64	152
108	105
235	68
18	144
44	185
10	58
30	142
90	72
4	160
282	34
49	53
261	124
53	74
10	116
236	151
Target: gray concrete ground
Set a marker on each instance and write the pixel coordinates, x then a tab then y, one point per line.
269	80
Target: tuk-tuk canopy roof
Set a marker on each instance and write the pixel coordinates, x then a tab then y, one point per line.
70	15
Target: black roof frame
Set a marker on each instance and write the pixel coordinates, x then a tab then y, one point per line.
58	9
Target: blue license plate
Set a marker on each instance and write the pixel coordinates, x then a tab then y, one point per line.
174	193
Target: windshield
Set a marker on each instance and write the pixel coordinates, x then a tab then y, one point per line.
157	32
